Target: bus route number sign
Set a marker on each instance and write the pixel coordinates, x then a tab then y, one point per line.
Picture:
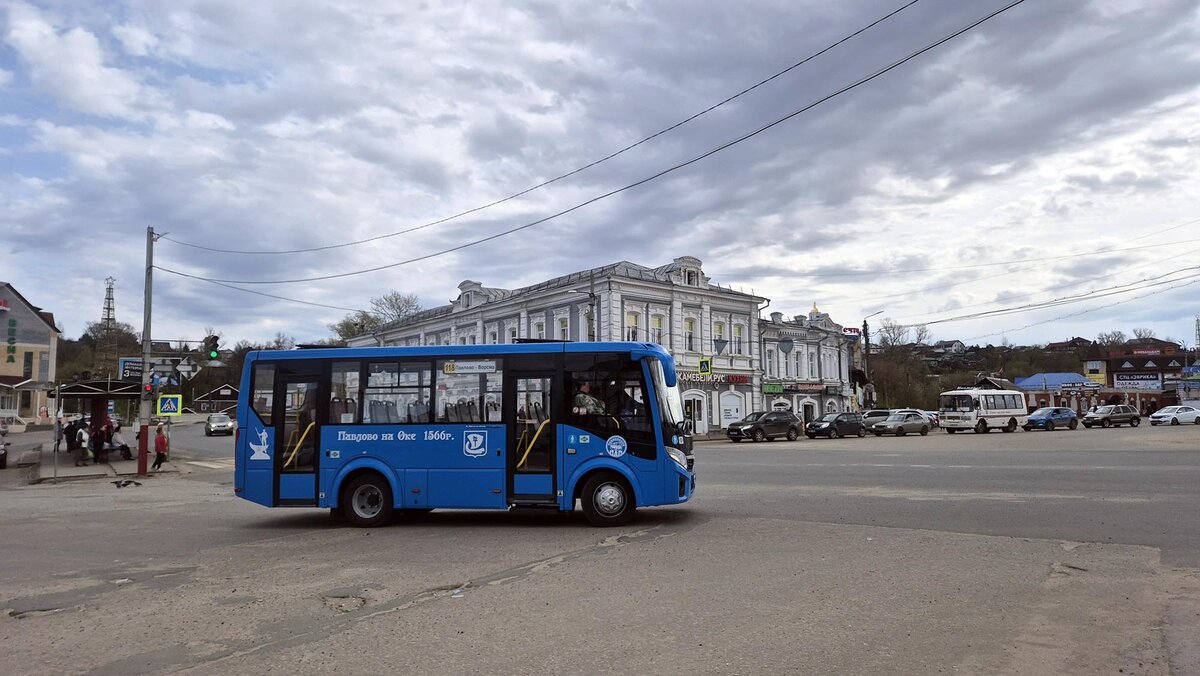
468	367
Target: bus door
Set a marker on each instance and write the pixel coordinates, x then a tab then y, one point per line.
297	438
532	440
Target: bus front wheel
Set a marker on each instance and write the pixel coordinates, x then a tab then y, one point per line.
607	500
367	501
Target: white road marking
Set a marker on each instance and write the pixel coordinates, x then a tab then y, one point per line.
209	465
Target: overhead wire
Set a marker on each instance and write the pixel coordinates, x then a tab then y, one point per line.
260	293
1082	312
630	186
573	172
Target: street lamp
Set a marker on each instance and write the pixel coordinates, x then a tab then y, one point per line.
591	294
866	335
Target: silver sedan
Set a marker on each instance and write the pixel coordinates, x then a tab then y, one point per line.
901	424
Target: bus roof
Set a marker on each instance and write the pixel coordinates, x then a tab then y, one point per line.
549	347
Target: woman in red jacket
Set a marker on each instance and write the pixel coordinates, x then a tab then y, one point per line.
160	448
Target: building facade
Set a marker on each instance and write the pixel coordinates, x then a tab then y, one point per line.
675	305
806	365
27	362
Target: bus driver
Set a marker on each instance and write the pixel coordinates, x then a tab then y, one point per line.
585	403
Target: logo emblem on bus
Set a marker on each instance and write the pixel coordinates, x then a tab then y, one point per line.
475	444
616	446
260	449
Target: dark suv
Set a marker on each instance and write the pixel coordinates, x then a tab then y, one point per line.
834	425
763	425
1107	416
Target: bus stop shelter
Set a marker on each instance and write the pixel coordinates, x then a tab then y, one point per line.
97	394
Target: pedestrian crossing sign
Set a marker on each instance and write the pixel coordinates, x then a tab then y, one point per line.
170	404
705	366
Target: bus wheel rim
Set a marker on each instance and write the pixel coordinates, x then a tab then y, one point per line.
609	499
367	501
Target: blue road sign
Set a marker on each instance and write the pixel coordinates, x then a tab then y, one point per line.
170	404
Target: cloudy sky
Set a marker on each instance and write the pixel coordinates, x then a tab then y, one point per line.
1049	152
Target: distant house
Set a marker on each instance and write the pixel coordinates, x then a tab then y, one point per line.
221	400
1071	345
949	347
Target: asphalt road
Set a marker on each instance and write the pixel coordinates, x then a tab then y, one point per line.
1017	553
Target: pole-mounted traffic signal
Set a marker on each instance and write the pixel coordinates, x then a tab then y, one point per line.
148	391
212	347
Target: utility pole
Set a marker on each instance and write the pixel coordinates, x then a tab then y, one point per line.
147	371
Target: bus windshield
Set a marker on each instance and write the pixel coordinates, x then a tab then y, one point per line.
670	404
956	402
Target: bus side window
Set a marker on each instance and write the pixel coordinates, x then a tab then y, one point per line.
264	391
343	393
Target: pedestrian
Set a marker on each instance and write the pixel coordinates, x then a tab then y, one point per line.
96	440
58	434
160	448
118	442
81	445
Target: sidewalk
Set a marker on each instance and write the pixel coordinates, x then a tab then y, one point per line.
67	471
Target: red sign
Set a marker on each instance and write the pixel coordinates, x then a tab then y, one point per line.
737	379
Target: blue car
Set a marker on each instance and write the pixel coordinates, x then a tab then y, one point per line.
1050	418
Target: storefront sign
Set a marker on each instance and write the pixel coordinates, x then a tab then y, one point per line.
731	408
851	331
772	388
1137	381
803	388
1147	353
10	350
712	379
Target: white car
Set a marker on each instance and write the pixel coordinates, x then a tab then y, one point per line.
1176	415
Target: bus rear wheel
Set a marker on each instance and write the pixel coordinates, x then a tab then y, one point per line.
367	501
607	500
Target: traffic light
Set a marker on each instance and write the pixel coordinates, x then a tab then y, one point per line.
148	391
212	348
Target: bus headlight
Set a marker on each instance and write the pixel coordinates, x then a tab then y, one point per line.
678	456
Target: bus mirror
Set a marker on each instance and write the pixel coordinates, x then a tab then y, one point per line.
686	427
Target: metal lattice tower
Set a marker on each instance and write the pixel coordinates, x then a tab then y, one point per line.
106	347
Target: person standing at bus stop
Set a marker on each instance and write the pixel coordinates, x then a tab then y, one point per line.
160	448
58	434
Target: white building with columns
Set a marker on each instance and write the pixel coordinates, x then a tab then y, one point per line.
675	305
806	364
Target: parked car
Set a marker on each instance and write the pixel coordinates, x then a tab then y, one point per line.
218	423
1175	415
901	424
1118	414
764	425
875	415
834	425
1050	417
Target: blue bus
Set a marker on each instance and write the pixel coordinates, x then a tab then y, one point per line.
369	431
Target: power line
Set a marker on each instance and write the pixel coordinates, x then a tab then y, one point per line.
1081	312
259	293
574	171
1067	300
635	184
861	273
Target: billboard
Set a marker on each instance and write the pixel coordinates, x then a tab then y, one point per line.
1137	381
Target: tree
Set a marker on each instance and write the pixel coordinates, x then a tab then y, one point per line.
1107	338
1143	333
921	334
891	334
389	307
